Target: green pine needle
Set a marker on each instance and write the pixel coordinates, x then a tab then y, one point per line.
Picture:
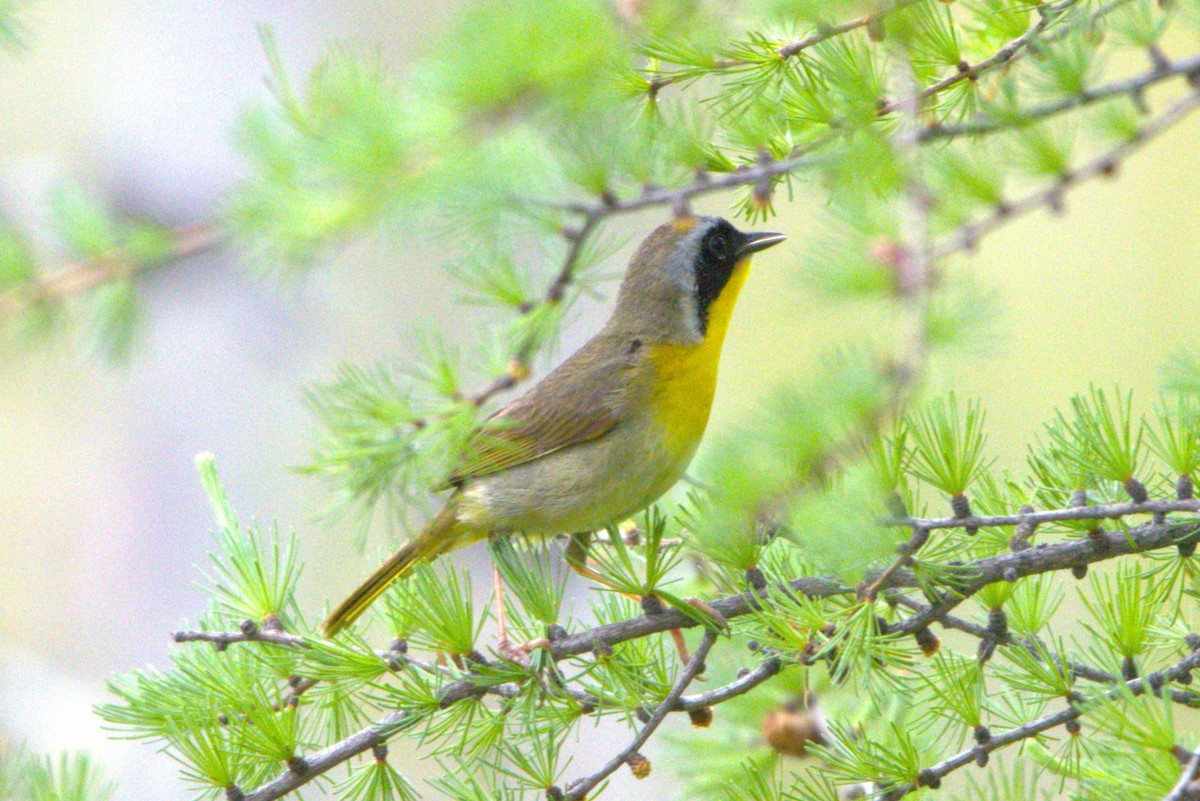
535	574
446	619
376	781
948	444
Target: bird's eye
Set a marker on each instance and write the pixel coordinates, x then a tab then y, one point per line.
718	247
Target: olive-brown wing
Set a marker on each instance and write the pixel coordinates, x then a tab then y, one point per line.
582	399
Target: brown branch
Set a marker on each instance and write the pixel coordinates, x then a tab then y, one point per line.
967	235
1130	87
931	777
579	789
740	686
1188	786
790	49
1046	13
1030	644
79	277
223	639
1108	511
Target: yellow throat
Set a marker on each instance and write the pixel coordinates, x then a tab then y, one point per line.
686	375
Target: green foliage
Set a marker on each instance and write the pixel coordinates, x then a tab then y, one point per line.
109	251
36	777
1176	437
624	572
12	29
535	575
326	164
948	444
1123	609
1100	436
377	781
506	151
1143	721
254	574
71	777
385	444
445	620
958	684
1043	671
892	759
1033	604
567	46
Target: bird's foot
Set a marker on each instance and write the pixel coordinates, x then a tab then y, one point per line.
519	653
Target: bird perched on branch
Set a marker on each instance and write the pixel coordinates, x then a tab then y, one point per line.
610	429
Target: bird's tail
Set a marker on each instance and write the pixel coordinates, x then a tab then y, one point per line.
439	536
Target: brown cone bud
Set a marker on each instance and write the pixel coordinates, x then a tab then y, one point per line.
790	729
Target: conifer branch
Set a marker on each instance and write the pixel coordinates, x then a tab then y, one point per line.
931	777
828	32
580	788
785	51
1108	511
1047	13
1188	787
853	117
76	279
743	684
1010	566
1031	645
223	639
1134	87
967	236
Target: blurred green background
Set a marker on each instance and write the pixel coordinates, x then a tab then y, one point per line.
102	522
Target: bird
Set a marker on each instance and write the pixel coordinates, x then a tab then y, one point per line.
609	430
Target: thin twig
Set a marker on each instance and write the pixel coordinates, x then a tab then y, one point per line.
739	686
1034	647
1185	789
1134	86
1040	559
580	788
223	639
968	234
1047	14
1108	511
76	278
932	776
788	50
830	31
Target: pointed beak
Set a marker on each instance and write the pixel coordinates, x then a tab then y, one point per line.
758	240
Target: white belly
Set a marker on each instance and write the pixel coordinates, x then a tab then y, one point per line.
580	488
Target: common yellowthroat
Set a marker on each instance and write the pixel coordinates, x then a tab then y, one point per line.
615	425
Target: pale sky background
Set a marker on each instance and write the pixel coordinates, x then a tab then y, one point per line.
102	522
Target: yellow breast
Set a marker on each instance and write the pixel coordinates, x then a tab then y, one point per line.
686	375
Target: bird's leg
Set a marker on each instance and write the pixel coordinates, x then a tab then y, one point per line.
681	646
576	555
577	559
515	653
498	593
